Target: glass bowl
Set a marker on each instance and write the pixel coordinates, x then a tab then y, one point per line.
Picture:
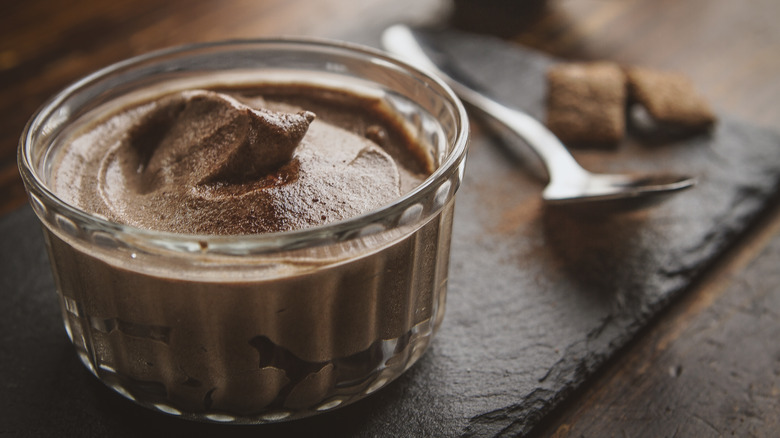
253	328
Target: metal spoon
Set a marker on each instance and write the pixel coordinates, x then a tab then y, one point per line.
569	183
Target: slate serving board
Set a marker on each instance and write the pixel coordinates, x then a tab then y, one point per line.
538	298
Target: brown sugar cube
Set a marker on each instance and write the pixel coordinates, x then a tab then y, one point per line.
669	98
586	102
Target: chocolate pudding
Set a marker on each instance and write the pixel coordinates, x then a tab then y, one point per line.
239	161
296	332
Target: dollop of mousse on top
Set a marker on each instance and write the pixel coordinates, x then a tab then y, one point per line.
202	162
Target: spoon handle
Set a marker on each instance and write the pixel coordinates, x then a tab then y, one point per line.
560	164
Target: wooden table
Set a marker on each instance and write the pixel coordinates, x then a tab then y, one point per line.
708	366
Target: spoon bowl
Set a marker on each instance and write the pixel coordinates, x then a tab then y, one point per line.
569	184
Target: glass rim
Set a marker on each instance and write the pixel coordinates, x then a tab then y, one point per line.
184	242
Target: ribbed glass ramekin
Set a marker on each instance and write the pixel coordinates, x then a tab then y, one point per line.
253	328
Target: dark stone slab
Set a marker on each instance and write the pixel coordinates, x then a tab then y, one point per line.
714	373
538	298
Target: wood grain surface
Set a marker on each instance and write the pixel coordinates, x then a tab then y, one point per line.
708	367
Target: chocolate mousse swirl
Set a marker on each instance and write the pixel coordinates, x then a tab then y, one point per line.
202	162
206	138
